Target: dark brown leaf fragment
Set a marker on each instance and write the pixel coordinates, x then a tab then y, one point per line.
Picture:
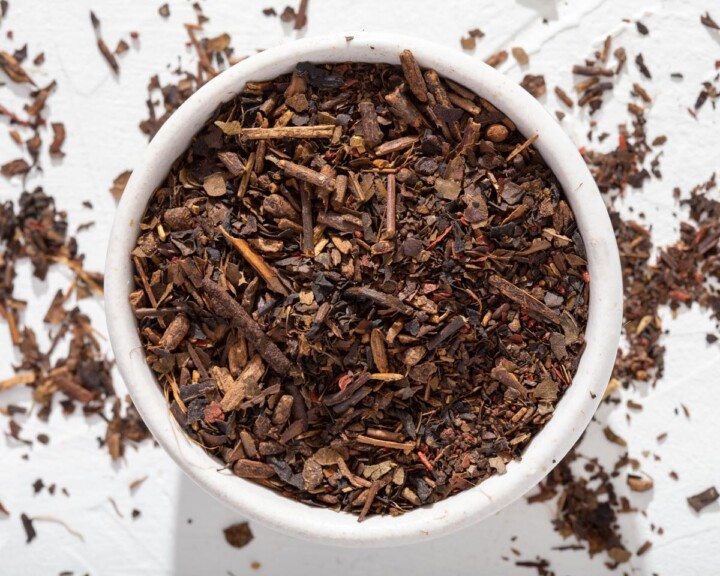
238	535
703	499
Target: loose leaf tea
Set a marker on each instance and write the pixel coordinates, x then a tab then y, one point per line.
361	286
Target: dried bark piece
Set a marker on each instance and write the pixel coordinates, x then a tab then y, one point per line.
226	306
703	499
371	132
404	109
248	378
305	174
413	75
175	333
253	470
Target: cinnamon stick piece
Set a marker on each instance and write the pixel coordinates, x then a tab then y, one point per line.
227	307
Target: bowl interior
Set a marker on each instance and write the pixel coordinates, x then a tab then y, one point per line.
572	413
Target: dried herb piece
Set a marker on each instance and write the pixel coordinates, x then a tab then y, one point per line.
703	499
238	535
301	15
104	50
15	167
640	61
521	57
470	42
535	84
118	186
11	67
496	59
27	523
58	140
706	20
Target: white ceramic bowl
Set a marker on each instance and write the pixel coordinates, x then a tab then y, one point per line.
573	412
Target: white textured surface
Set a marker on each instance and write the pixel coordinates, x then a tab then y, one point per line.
101	114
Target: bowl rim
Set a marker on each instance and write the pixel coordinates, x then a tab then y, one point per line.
572	413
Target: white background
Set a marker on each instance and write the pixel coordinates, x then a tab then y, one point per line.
180	529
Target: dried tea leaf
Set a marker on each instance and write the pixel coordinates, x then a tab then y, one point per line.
620	555
706	20
27	523
238	535
118	186
614	438
639	483
15	167
12	68
520	56
58	140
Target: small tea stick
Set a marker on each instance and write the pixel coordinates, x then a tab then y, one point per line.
401	107
395	145
438	90
303	173
308	246
387	300
525	299
246	175
236	129
591	71
390	212
227	307
522	147
266	272
371	132
464	104
369	499
413	75
338	199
